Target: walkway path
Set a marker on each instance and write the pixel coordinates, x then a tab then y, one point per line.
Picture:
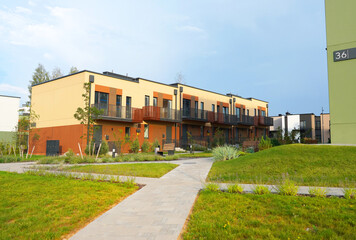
157	211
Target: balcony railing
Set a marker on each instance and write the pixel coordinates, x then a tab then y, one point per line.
119	113
263	121
194	114
246	120
221	118
153	113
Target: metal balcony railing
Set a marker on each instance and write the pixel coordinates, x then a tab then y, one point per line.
119	113
194	114
264	121
154	113
221	118
246	120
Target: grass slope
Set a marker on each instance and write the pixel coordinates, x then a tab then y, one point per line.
305	164
153	170
39	207
218	215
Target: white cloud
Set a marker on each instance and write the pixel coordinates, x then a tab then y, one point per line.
31	3
189	28
23	10
7	88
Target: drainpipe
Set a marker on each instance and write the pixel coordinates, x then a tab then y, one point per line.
180	108
175	124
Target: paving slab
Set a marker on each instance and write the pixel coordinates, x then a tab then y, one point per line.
157	211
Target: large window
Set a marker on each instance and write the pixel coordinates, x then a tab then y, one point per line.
248	112
147	100
186	107
196	109
128	107
237	111
155	102
213	107
303	124
118	106
263	113
102	101
202	110
145	133
255	112
127	132
317	124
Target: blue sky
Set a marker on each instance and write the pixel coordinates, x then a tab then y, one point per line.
272	50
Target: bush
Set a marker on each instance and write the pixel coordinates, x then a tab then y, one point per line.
275	142
317	192
213	187
288	187
235	188
350	193
265	143
146	146
259	189
70	153
10	158
135	146
155	144
104	149
225	153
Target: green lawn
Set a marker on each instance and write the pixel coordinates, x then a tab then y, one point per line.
305	164
12	158
153	170
42	207
219	215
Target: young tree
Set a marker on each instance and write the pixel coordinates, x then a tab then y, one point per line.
73	70
56	73
180	78
40	75
87	115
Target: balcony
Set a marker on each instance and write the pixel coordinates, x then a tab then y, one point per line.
246	120
193	114
221	118
263	121
119	113
153	113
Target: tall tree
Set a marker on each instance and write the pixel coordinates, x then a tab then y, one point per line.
56	73
73	70
40	75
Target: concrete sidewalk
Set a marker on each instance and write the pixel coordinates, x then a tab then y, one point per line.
157	211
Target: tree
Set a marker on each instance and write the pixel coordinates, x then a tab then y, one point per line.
180	78
40	75
56	73
87	115
73	70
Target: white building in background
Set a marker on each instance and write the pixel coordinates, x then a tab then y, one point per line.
286	123
9	111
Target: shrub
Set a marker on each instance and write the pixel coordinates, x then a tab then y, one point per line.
70	153
146	146
155	144
235	188
104	149
288	187
350	193
135	146
259	189
265	143
250	150
213	187
275	142
225	153
317	192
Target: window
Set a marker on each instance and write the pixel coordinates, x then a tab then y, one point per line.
147	100
102	101
202	106
237	111
155	102
248	112
213	107
145	133
202	131
218	108
118	100
317	124
225	110
255	112
128	107
186	107
263	113
196	109
202	110
303	124
118	106
127	132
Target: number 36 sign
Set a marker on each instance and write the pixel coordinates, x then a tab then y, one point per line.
345	54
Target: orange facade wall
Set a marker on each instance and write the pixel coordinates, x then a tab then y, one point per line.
68	136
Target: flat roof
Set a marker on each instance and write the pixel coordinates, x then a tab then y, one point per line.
137	80
9	96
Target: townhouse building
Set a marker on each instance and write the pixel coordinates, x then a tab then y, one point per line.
142	109
306	125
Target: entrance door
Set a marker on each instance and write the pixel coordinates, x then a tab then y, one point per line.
168	134
186	107
98	135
